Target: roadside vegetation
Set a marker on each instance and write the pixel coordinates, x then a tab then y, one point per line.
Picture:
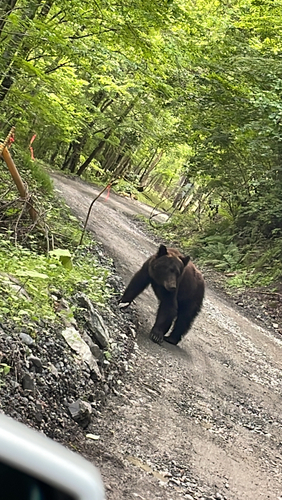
178	102
41	261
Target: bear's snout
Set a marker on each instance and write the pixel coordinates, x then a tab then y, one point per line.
170	285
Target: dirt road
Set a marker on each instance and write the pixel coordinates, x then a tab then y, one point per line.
197	421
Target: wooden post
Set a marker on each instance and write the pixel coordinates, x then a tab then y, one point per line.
4	152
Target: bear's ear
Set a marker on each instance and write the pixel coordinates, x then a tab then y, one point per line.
162	251
185	260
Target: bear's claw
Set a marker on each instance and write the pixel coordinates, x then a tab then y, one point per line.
123	305
156	336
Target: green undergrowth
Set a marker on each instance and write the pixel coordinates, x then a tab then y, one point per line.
32	275
30	283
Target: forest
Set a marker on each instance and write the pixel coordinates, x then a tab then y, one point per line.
178	101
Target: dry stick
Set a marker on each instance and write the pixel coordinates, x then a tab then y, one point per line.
28	202
275	294
90	208
18	220
152	215
8	204
7	191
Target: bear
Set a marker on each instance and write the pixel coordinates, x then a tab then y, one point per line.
179	287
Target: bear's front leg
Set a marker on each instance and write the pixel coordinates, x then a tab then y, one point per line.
166	314
137	284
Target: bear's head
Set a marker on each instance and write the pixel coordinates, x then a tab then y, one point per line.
167	266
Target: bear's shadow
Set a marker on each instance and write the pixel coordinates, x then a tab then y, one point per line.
177	350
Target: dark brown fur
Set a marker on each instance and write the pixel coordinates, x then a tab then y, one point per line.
179	287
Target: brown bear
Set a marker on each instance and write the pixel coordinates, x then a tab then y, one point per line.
178	285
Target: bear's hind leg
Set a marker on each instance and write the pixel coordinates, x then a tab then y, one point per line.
182	324
181	327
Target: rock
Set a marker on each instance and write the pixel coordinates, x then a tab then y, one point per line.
75	341
174	481
28	382
96	351
80	412
94	437
218	496
38	416
94	321
35	364
15	384
63	304
123	305
26	339
53	370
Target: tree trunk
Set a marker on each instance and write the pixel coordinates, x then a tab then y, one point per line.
154	160
8	71
74	155
122	165
113	158
6	10
165	191
101	144
75	147
55	154
67	155
99	148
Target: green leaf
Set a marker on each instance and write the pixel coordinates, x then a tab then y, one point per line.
29	273
64	256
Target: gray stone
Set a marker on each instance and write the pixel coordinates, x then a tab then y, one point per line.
94	320
53	370
35	364
26	339
80	412
63	304
38	416
15	384
96	351
28	382
75	341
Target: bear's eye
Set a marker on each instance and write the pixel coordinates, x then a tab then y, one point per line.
175	271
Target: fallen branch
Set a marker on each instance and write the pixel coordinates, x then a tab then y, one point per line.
108	186
275	294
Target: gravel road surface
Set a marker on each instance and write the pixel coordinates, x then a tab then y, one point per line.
202	420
